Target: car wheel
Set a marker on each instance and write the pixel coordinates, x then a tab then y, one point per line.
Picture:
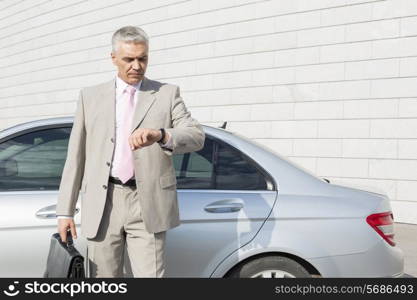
270	267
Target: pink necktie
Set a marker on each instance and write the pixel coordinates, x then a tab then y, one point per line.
125	168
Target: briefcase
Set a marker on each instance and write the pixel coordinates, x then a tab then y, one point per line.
64	260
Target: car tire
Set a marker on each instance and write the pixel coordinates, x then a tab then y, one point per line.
270	267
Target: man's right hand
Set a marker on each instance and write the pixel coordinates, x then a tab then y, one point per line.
63	225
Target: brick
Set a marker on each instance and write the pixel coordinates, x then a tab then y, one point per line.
386	68
407	149
342	167
194	83
208	98
396	87
235	79
388	9
363	148
251	129
251	95
231	113
316	73
273	76
253	61
343	128
271	8
318	110
372	30
294	129
285	58
406	190
274	111
380	108
387	48
283	93
407	107
310	5
347	14
230	47
274	41
344	90
309	19
408	26
318	147
305	92
407	46
321	36
214	65
310	55
394	128
408	66
249	28
390	168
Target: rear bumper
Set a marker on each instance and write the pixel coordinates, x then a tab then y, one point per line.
381	260
399	275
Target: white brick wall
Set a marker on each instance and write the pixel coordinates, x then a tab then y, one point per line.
332	84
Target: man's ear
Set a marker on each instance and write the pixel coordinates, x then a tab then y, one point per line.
113	58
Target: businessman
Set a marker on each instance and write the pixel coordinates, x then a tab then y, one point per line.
119	159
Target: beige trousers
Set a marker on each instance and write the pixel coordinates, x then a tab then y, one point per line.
122	226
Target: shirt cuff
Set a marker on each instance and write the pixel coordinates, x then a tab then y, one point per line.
64	217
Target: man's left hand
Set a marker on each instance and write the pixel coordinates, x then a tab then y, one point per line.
143	137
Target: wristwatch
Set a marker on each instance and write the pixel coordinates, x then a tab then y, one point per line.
163	135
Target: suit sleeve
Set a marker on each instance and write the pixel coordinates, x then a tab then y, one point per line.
187	134
73	172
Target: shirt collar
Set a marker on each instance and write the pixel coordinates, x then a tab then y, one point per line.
121	85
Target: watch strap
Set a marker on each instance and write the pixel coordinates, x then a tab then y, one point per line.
163	135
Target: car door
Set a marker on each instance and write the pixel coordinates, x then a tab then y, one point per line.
31	163
224	198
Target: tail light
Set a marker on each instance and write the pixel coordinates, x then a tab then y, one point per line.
383	224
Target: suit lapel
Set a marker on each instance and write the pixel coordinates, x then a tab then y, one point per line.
145	100
108	101
144	103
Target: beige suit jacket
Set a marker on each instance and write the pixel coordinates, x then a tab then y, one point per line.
91	147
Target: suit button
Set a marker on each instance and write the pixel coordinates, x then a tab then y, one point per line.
107	163
104	186
112	140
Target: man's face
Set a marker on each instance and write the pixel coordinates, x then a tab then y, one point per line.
131	60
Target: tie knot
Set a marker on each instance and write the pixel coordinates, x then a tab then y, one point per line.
130	90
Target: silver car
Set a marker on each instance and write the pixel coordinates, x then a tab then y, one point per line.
245	211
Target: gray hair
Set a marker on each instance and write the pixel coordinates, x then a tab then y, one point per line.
129	34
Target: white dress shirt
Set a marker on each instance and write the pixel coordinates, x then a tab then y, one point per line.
120	87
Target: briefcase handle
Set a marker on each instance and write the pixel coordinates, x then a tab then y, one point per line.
69	242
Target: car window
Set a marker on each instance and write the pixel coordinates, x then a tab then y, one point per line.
195	170
235	172
217	166
34	161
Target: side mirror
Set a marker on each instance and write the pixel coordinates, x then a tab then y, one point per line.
8	168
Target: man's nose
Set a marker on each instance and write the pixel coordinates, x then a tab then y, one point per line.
136	64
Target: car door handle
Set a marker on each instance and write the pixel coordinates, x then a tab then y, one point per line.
224	206
49	212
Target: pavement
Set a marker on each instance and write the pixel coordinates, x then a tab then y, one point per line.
406	238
